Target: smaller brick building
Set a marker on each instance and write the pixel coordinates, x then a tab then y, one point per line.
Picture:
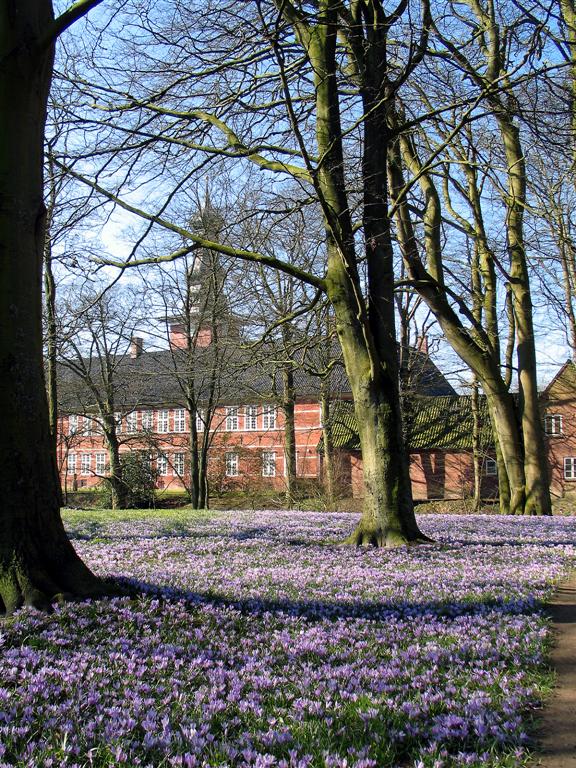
559	414
439	435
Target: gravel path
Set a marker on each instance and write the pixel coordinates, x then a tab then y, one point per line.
558	723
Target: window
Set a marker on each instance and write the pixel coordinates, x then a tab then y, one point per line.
231	464
251	417
72	463
85	463
72	424
232	419
132	422
490	467
178	464
100	463
163	421
88	425
570	468
553	424
162	464
268	416
147	420
268	464
180	420
200	423
118	420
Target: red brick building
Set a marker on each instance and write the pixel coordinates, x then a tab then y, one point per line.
245	422
246	426
559	414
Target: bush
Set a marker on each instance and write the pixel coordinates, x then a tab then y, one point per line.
140	480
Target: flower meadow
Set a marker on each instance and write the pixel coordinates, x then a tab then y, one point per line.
256	640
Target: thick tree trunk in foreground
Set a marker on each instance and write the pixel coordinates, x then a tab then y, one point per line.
37	561
366	329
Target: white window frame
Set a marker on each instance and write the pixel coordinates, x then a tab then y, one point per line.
231	461
118	421
132	422
163	422
147	421
88	429
71	464
200	423
232	418
162	464
490	467
268	463
269	416
101	459
72	424
85	463
570	468
553	424
251	418
178	464
179	416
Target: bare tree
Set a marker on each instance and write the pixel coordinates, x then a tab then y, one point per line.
104	382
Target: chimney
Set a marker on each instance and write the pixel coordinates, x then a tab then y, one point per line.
178	338
422	344
136	346
204	336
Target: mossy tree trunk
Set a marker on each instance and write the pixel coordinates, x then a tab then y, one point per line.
366	329
37	561
538	500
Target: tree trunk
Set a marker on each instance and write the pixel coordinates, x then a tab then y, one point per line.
195	483
115	479
328	458
476	452
37	561
288	398
388	514
366	333
538	500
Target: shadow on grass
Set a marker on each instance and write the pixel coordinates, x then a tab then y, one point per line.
330	609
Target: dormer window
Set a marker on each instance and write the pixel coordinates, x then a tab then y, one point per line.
553	424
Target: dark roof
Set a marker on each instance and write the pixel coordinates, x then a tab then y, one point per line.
244	374
439	423
159	378
563	385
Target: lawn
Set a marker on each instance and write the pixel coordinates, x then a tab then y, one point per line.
259	641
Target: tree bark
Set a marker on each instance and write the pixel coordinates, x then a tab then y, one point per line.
366	333
538	500
476	454
328	457
118	488
37	561
288	400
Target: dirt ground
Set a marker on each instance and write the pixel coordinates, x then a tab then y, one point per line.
558	722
